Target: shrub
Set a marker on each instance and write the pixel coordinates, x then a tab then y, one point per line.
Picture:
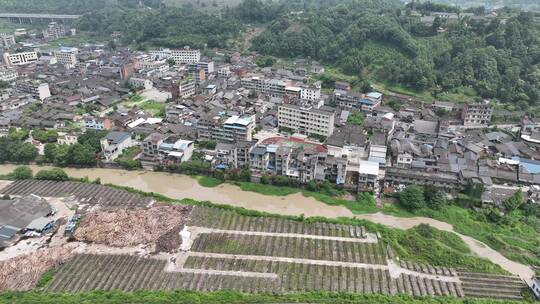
412	198
55	174
21	173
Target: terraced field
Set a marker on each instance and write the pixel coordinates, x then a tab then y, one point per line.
129	273
291	247
480	285
230	220
225	250
87	194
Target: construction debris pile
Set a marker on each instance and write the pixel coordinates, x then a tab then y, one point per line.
159	225
23	272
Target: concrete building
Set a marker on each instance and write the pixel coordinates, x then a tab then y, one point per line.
536	287
54	31
141	83
7	40
312	93
271	87
95	123
67	56
477	114
368	176
306	119
114	144
186	87
8	74
231	129
35	88
185	55
20	58
207	66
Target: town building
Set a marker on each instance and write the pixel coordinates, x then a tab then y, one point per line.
477	114
226	129
96	123
271	87
67	56
114	143
311	92
7	40
207	66
186	87
20	58
36	88
141	83
536	287
306	119
8	74
54	30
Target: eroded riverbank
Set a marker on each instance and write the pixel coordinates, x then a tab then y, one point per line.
181	186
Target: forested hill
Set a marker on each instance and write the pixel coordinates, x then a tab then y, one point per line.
518	4
490	58
69	6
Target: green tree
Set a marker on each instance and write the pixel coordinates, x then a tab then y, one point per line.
412	198
50	151
434	198
25	153
54	174
514	202
92	138
81	155
21	173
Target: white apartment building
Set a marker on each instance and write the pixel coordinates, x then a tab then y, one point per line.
8	74
185	55
186	88
207	66
311	92
272	87
306	120
20	58
67	56
7	40
35	88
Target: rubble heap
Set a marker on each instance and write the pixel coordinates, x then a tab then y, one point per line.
130	227
23	272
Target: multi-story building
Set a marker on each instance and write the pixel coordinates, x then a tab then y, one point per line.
477	114
8	74
114	143
35	88
54	31
232	155
311	92
67	56
272	87
7	40
306	119
231	129
186	87
185	55
141	83
20	58
95	123
207	66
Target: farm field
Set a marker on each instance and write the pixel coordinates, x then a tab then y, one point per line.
220	248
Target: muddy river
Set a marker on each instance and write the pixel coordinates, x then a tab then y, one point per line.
181	186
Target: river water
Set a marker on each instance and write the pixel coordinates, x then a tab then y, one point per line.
181	186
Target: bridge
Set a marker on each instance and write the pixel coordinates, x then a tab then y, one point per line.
29	18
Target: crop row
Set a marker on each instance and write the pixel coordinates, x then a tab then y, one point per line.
291	247
129	273
428	269
481	285
308	277
228	220
91	194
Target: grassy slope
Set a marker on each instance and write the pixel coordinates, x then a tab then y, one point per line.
229	297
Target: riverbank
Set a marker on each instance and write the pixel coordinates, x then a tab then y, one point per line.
184	187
